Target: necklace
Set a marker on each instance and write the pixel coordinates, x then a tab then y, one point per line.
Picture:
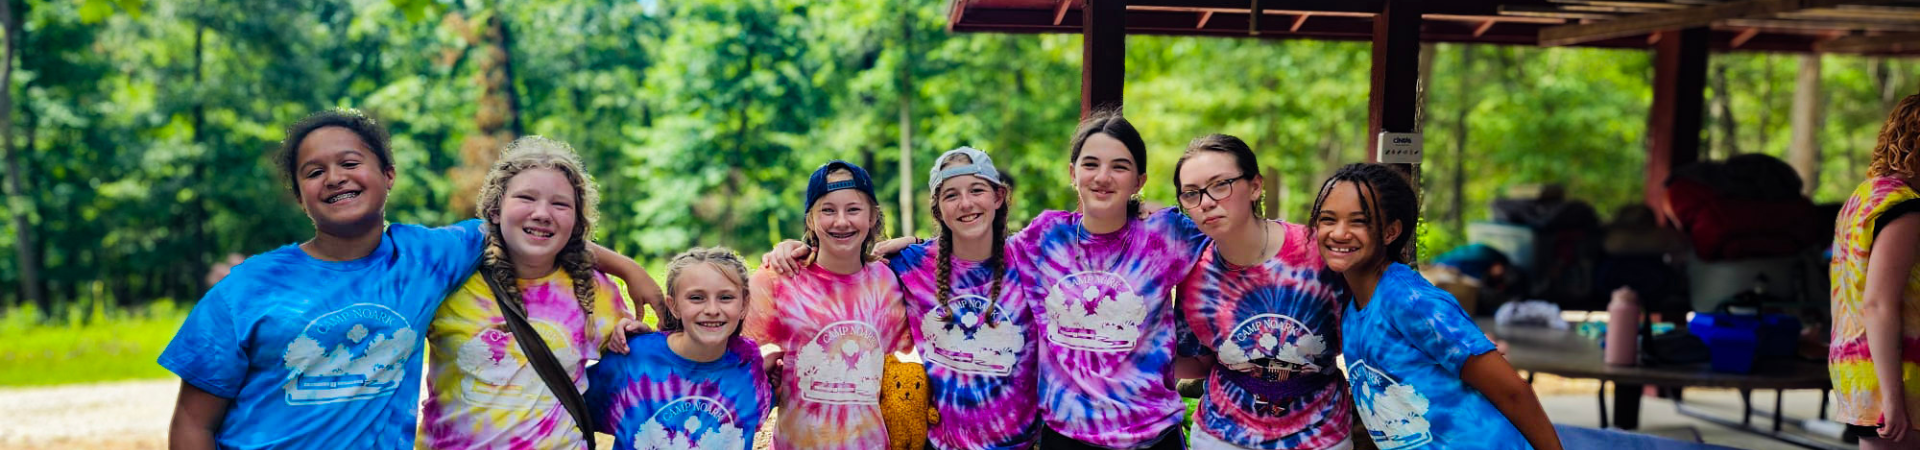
1265	237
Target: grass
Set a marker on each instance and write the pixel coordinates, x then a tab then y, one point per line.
88	344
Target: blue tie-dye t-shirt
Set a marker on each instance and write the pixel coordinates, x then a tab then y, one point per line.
652	398
320	354
1404	353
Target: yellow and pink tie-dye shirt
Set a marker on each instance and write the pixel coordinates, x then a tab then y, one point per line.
836	330
482	392
1856	390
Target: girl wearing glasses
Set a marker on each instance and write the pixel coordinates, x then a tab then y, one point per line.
1262	308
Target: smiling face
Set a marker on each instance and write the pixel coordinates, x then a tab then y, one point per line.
708	302
1206	175
842	220
342	185
1106	175
1345	232
967	205
537	216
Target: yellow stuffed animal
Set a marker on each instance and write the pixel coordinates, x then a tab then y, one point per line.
904	405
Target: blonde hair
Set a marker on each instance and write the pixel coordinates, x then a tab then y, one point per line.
1897	154
723	260
873	230
535	152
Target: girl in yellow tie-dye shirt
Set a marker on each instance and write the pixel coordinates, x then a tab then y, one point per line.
1875	354
482	391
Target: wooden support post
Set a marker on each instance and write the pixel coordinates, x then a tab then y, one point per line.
1103	57
1679	94
1393	102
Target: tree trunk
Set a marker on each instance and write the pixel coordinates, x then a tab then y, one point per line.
906	122
498	118
18	203
1725	144
1456	210
1804	154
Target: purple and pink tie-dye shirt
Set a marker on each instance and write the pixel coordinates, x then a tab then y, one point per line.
482	392
1278	323
836	329
1107	323
981	369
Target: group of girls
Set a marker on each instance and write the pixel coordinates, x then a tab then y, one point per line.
1065	334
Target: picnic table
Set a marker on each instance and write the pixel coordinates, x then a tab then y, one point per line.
1564	353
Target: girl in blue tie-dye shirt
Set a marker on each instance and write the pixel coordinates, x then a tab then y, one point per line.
1422	375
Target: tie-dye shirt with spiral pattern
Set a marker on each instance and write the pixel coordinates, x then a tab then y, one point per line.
654	399
482	392
1283	317
1404	353
836	330
981	370
1856	389
1106	323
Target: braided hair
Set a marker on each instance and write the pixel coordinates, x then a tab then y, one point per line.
1385	197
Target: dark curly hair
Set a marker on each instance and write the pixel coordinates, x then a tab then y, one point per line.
369	130
1385	197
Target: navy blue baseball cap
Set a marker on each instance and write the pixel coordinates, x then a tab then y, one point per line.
817	185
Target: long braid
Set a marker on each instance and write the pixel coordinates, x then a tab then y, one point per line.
943	272
998	261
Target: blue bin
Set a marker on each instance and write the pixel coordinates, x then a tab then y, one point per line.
1733	340
1779	335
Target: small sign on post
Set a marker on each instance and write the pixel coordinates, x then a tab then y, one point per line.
1398	148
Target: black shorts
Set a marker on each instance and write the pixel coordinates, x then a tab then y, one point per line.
1172	439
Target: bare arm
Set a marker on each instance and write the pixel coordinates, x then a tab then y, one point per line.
1888	264
1191	366
1492	376
196	419
640	287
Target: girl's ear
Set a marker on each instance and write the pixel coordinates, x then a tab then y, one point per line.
1392	231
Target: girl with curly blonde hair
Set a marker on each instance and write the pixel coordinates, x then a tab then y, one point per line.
538	206
1876	291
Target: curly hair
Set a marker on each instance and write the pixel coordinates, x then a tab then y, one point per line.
1897	154
370	132
1385	197
535	152
943	269
873	231
722	259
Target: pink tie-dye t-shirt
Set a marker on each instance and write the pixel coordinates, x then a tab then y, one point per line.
1279	321
836	330
980	360
1106	322
481	390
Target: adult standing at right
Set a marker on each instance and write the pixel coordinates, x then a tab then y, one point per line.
1876	291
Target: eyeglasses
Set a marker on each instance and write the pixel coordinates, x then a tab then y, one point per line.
1216	191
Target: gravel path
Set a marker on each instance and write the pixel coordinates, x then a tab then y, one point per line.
109	416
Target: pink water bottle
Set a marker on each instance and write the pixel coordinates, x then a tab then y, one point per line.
1623	328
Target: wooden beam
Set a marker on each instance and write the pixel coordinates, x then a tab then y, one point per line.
1482	29
1677	19
1679	95
1297	22
1394	99
1654	38
1205	17
956	13
1060	12
1804	25
1744	36
1885	43
1549	12
1103	55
